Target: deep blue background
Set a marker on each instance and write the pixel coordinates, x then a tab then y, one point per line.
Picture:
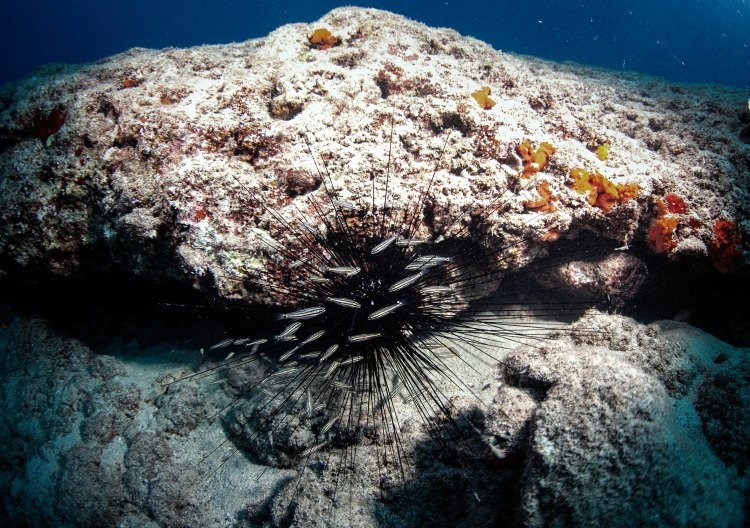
704	41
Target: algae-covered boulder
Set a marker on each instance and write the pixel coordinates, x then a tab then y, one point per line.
196	164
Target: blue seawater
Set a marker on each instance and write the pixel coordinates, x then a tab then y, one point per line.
696	41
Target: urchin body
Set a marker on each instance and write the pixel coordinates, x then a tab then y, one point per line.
378	307
366	328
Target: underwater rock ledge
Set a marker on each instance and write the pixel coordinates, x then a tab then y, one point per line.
162	162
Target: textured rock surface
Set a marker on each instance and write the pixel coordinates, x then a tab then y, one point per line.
165	162
194	164
621	435
616	276
92	440
623	424
607	448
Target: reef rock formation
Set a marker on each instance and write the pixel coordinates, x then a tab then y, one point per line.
620	424
619	421
168	163
196	165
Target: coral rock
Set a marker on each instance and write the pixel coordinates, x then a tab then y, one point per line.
165	163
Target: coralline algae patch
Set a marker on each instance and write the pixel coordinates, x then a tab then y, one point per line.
185	148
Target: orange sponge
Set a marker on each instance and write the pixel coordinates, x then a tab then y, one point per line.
322	39
482	97
675	204
725	249
544	203
534	160
600	191
662	229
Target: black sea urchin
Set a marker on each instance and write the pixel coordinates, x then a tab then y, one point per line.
376	318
